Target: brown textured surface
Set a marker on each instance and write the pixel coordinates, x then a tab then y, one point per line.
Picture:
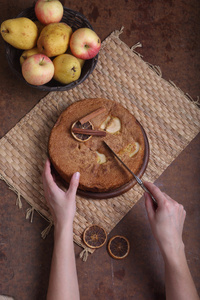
170	120
169	33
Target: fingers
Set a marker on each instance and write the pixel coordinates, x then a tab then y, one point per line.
74	184
50	184
149	206
182	211
47	176
156	192
50	187
163	200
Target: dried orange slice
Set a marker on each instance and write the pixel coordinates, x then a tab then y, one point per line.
94	236
118	247
82	137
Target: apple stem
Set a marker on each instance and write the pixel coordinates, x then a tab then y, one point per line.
6	31
41	62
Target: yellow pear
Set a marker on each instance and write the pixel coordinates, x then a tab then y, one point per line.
54	39
39	25
21	33
28	53
81	61
66	68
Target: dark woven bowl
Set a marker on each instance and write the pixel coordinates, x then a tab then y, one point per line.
71	18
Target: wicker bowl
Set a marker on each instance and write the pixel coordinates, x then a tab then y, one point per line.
73	19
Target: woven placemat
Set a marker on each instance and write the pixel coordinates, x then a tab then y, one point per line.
169	118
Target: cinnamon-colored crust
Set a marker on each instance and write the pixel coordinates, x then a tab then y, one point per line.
69	155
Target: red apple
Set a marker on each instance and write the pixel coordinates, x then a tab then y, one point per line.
38	69
49	11
85	43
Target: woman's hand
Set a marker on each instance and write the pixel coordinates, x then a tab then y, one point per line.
62	204
166	220
63	281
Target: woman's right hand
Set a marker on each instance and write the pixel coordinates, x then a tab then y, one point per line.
166	220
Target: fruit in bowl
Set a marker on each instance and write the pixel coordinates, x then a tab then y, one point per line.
67	68
49	11
85	43
28	53
54	39
21	33
38	69
45	43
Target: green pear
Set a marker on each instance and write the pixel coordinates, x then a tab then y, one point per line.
21	33
66	68
81	61
54	39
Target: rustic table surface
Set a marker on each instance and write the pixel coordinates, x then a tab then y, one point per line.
169	33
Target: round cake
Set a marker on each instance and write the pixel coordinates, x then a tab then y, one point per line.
71	151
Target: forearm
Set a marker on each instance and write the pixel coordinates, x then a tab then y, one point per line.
178	279
63	282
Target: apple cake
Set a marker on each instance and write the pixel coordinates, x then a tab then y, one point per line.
71	151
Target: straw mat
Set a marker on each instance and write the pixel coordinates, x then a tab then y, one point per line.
169	118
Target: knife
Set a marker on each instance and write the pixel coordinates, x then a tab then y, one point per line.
139	181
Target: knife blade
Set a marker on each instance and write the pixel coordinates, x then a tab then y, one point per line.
139	181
